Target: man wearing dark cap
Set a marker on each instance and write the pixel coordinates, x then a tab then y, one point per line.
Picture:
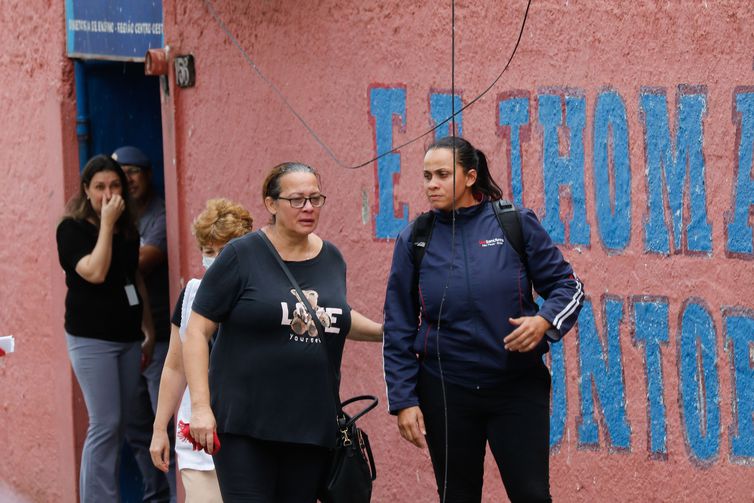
149	210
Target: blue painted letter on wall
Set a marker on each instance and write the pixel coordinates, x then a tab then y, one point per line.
667	163
565	170
699	382
384	105
651	331
558	409
514	113
440	109
739	330
604	369
611	130
739	230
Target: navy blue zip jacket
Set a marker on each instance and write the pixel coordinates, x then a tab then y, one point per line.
487	284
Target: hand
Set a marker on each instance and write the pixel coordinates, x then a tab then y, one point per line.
529	331
160	450
147	349
112	209
411	426
203	427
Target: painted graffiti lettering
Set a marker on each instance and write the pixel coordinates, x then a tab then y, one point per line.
739	342
651	333
602	381
675	166
612	171
677	217
564	171
602	368
513	123
388	106
739	230
699	384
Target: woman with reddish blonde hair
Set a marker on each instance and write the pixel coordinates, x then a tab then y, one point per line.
220	222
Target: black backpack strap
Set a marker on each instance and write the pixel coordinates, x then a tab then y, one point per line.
510	222
421	233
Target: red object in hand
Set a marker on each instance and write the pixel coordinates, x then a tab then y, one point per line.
2	353
184	433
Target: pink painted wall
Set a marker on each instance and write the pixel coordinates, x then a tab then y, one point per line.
39	163
328	57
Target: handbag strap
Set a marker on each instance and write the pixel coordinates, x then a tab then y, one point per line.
305	302
366	409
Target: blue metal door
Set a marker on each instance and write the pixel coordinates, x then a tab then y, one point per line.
118	105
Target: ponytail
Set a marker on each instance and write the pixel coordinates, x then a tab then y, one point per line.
485	184
471	158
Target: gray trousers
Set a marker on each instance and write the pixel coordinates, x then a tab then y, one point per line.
158	488
108	373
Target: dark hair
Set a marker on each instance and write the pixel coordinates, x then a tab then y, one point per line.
470	158
80	208
271	184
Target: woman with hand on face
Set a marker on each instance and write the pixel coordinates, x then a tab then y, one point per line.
106	327
269	395
221	221
464	338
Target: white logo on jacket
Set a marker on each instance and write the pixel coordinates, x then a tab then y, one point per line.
484	243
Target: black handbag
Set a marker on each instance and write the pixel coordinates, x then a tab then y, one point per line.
352	470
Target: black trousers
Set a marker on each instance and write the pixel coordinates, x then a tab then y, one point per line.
514	418
260	471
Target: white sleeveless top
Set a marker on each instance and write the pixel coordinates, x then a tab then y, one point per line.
186	457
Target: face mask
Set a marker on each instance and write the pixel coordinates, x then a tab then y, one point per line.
207	261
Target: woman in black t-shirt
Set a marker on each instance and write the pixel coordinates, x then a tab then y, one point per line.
98	248
269	395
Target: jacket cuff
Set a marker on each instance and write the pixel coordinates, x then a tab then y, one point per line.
553	334
396	408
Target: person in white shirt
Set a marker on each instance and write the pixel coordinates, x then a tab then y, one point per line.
221	221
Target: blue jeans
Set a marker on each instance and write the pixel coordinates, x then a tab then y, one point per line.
108	373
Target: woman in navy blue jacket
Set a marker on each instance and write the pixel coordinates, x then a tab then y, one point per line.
463	347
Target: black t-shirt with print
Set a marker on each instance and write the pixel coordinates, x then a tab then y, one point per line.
99	311
268	373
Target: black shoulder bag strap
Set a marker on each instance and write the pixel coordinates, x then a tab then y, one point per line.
321	331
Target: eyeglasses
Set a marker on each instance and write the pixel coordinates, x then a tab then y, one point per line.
299	202
132	170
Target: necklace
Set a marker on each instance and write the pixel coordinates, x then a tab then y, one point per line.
296	254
